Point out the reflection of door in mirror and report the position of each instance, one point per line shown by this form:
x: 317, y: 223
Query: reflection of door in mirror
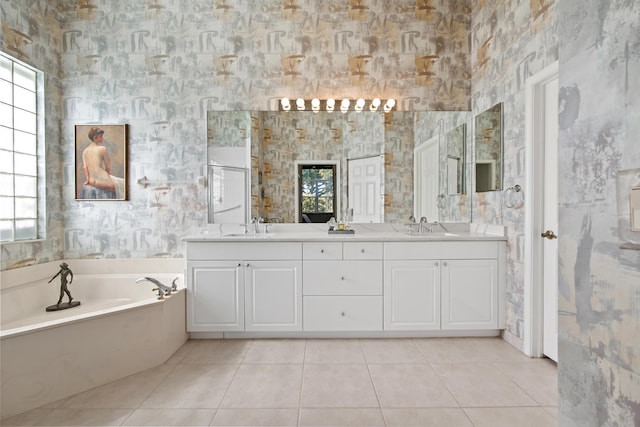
x: 488, y: 144
x: 227, y: 195
x: 317, y: 201
x: 455, y: 160
x: 366, y: 189
x: 426, y: 179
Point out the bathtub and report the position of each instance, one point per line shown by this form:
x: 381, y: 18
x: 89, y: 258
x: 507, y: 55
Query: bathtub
x: 120, y: 328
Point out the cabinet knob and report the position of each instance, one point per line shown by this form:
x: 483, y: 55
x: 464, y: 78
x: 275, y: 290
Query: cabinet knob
x: 444, y: 264
x: 321, y: 251
x: 435, y: 264
x: 239, y: 264
x: 246, y: 265
x: 342, y: 314
x: 363, y: 251
x: 341, y: 277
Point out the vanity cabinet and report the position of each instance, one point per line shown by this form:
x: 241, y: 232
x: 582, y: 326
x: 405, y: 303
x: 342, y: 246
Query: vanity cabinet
x: 342, y: 286
x: 441, y: 286
x: 238, y: 293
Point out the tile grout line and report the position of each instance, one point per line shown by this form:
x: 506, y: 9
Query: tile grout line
x: 373, y: 384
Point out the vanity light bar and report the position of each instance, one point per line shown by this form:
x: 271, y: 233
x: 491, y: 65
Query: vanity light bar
x: 345, y: 105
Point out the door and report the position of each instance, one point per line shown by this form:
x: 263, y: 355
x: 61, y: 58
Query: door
x: 366, y: 195
x: 273, y: 292
x: 412, y: 295
x: 426, y: 180
x: 541, y: 214
x: 550, y: 222
x: 215, y: 296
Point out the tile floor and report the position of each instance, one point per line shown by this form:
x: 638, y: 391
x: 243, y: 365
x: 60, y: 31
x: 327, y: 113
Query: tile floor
x: 348, y: 382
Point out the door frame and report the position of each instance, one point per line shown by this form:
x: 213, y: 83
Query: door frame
x: 533, y: 218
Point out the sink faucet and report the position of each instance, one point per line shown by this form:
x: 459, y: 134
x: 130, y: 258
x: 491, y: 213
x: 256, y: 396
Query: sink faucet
x: 424, y: 225
x: 163, y: 290
x: 256, y: 224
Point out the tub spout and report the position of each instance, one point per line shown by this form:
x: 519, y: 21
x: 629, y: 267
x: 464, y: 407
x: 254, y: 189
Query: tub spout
x: 162, y: 289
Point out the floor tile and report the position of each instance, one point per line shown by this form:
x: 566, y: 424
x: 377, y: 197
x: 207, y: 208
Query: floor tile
x: 334, y: 351
x: 410, y: 385
x: 481, y: 385
x: 170, y: 417
x: 509, y: 417
x: 538, y: 378
x: 183, y: 351
x: 276, y: 351
x: 128, y: 392
x: 265, y: 386
x: 353, y: 417
x: 391, y: 351
x: 217, y: 351
x: 448, y: 350
x: 337, y: 386
x: 192, y: 386
x: 495, y: 349
x: 420, y: 417
x: 29, y: 418
x: 256, y: 417
x: 69, y: 417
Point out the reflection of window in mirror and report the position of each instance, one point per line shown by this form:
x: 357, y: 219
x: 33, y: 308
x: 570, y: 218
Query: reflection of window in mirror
x: 317, y: 195
x: 488, y: 148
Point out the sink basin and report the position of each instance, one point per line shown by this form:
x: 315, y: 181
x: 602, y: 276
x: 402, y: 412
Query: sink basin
x: 247, y: 235
x: 433, y: 234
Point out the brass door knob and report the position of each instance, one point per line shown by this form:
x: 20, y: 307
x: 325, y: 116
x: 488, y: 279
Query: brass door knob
x: 549, y: 235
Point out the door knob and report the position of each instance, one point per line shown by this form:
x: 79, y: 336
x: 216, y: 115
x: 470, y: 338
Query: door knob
x: 549, y: 235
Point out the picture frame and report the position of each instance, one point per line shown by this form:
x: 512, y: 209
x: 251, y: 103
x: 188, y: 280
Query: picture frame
x: 101, y: 162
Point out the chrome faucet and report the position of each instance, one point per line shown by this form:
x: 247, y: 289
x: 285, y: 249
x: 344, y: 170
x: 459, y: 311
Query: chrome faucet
x: 424, y: 225
x: 256, y: 224
x: 163, y: 290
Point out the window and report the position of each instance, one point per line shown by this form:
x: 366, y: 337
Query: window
x: 18, y: 150
x: 317, y: 192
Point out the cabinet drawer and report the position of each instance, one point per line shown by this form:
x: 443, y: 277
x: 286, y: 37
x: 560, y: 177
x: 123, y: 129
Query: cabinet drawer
x: 235, y: 251
x: 362, y: 250
x: 342, y: 277
x: 322, y: 250
x: 440, y: 250
x: 344, y: 313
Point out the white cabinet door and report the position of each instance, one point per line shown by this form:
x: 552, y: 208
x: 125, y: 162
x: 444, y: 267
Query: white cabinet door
x: 469, y: 294
x: 215, y: 296
x: 273, y: 291
x: 412, y: 295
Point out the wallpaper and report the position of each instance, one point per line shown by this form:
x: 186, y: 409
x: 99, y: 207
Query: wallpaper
x: 160, y: 65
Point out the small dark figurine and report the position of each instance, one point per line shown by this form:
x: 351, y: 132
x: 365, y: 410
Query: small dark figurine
x: 64, y: 272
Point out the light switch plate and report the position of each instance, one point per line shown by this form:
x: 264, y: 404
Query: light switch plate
x: 634, y: 208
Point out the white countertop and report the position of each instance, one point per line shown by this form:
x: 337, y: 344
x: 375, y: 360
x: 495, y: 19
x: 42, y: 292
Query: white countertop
x: 363, y: 232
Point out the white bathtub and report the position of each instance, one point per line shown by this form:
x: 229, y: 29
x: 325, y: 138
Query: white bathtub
x: 120, y: 328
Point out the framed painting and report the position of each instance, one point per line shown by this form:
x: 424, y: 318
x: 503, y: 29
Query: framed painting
x: 101, y: 162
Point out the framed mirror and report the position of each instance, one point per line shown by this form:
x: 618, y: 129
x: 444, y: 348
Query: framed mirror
x: 366, y: 147
x: 456, y: 141
x: 488, y: 149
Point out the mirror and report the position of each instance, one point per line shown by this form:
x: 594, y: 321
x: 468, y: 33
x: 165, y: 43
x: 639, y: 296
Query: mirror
x: 488, y: 143
x: 456, y: 142
x: 268, y: 144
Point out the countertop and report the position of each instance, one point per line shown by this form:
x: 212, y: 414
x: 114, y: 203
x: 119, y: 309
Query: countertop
x: 364, y: 232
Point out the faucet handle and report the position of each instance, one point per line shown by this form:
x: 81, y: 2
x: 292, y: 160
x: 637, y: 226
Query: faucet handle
x: 266, y: 227
x: 244, y: 228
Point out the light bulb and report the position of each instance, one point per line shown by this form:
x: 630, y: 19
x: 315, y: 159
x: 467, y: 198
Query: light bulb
x: 300, y: 103
x: 344, y: 105
x: 315, y: 104
x: 375, y: 103
x: 359, y: 104
x: 389, y: 105
x: 331, y: 103
x: 286, y: 105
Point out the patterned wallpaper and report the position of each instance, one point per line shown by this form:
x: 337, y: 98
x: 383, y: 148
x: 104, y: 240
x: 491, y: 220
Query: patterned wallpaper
x: 160, y: 65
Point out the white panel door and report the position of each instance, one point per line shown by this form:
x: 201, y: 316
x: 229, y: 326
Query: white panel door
x: 469, y: 294
x: 366, y: 194
x: 215, y: 296
x: 273, y: 291
x: 426, y: 180
x: 412, y: 295
x: 550, y: 221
